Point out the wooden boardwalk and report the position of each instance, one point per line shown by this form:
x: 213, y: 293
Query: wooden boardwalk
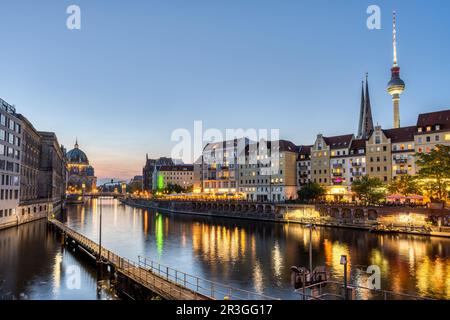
x: 166, y: 282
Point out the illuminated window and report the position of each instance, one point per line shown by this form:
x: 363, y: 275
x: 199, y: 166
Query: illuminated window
x: 429, y: 128
x: 447, y: 137
x: 419, y: 129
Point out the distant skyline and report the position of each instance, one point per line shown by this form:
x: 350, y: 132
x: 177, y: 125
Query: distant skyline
x: 137, y: 71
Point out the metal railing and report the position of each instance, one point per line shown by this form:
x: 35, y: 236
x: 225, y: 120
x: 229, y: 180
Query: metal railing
x: 208, y: 288
x: 334, y: 290
x: 163, y: 280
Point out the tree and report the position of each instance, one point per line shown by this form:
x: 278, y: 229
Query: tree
x: 406, y: 186
x: 310, y: 191
x: 369, y: 190
x: 435, y: 171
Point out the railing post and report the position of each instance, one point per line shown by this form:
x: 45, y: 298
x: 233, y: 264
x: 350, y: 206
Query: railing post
x: 167, y: 273
x: 185, y: 279
x: 212, y: 290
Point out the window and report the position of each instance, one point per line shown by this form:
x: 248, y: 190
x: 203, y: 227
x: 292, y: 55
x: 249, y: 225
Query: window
x: 436, y: 138
x: 419, y: 129
x: 428, y: 128
x: 438, y: 127
x: 428, y: 139
x: 3, y: 120
x: 447, y: 137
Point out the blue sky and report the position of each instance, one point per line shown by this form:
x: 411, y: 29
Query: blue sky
x: 137, y: 70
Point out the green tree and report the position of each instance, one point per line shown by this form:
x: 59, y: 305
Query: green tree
x: 406, y: 186
x: 435, y: 171
x: 310, y: 191
x: 369, y: 190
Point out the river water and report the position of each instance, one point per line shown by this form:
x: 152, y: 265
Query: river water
x: 250, y: 255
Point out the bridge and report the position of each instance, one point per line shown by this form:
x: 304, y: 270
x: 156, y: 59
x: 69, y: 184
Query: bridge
x: 145, y: 278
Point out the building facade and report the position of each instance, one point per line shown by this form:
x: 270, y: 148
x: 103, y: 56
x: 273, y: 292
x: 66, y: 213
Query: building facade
x: 149, y: 172
x: 181, y: 175
x: 220, y: 166
x: 53, y: 177
x: 10, y: 156
x: 303, y: 166
x: 269, y: 171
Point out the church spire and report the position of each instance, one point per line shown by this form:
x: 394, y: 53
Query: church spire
x: 76, y: 143
x: 368, y: 121
x: 361, y: 111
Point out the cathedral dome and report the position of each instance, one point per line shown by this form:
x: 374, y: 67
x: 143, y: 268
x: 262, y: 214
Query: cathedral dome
x: 76, y: 155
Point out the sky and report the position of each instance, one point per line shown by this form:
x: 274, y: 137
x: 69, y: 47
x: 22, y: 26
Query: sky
x: 138, y: 70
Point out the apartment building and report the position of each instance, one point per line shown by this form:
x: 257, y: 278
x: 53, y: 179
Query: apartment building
x: 357, y: 160
x: 432, y: 128
x: 402, y: 151
x: 269, y: 172
x: 220, y: 169
x: 303, y: 166
x: 181, y: 175
x: 10, y: 156
x: 378, y: 156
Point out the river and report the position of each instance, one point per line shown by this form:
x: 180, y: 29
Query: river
x: 250, y: 255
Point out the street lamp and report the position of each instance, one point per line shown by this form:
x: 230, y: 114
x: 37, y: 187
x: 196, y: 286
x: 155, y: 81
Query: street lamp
x: 344, y: 263
x: 311, y: 227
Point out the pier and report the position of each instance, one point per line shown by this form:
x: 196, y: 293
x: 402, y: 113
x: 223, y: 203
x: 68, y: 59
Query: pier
x: 147, y: 279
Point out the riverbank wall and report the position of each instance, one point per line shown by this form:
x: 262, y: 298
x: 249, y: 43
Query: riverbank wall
x: 368, y: 219
x: 31, y: 211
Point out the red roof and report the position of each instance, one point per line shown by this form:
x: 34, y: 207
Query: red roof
x: 430, y: 119
x: 339, y: 142
x: 400, y: 134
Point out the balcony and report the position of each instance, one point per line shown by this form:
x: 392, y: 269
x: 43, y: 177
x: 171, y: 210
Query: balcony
x: 337, y: 174
x: 402, y: 171
x: 303, y: 168
x: 356, y: 164
x: 400, y: 160
x: 337, y: 165
x: 357, y: 174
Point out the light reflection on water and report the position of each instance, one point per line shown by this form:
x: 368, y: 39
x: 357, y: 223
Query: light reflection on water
x: 257, y: 256
x: 34, y: 265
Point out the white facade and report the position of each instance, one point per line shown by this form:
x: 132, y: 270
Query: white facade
x: 10, y: 153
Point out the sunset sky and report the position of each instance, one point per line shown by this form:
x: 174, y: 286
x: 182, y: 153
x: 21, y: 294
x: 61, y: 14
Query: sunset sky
x: 138, y: 70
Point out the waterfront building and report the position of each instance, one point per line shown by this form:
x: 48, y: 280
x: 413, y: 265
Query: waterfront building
x: 431, y: 129
x: 32, y: 205
x: 378, y: 154
x: 357, y: 160
x: 181, y: 175
x: 53, y: 176
x: 81, y: 173
x: 150, y: 170
x: 10, y: 156
x: 303, y: 166
x: 269, y: 172
x: 329, y: 165
x: 220, y: 170
x: 402, y: 151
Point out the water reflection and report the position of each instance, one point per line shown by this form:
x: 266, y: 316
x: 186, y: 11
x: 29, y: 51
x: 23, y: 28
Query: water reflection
x: 257, y: 256
x: 34, y: 265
